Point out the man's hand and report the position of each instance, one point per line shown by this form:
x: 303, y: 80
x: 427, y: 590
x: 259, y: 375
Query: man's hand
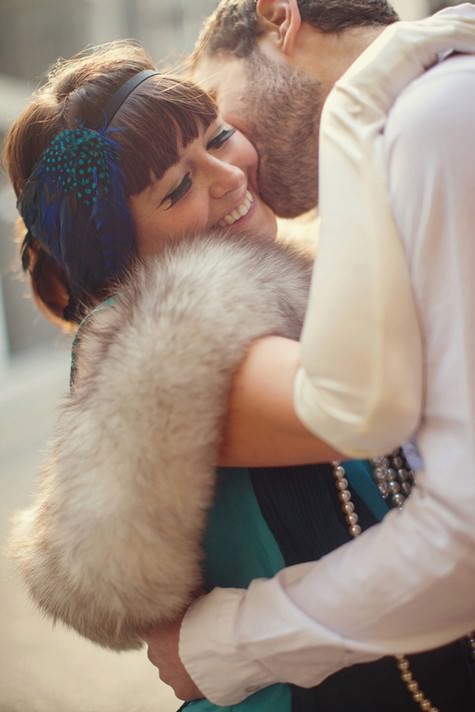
x: 162, y: 644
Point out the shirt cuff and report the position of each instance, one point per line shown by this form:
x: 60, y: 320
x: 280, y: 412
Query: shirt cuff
x: 211, y: 655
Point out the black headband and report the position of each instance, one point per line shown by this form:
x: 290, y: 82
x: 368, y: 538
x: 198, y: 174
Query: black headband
x: 117, y: 99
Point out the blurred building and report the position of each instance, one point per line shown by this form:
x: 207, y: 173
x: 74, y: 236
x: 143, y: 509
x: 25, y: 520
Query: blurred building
x: 414, y: 9
x: 33, y: 33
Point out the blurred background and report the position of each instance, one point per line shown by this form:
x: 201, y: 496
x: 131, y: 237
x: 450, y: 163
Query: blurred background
x: 44, y: 669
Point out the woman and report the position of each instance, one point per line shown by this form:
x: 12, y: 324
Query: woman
x: 116, y: 168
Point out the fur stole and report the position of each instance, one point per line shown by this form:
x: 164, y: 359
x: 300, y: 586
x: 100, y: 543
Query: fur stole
x: 113, y: 542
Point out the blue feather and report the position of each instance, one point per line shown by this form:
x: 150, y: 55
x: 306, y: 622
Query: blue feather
x: 74, y: 203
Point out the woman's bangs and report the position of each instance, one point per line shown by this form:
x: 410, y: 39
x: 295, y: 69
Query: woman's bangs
x: 155, y: 123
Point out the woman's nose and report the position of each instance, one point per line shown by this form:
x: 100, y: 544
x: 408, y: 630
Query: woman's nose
x: 226, y: 178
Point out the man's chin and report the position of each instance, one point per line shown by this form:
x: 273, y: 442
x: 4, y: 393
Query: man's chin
x: 289, y: 207
x: 292, y: 197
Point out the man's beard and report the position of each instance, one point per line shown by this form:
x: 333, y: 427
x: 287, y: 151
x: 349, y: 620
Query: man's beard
x: 283, y: 122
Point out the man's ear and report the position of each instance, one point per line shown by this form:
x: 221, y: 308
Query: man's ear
x: 283, y: 18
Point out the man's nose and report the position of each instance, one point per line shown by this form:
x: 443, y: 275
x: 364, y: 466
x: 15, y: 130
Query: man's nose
x: 226, y: 178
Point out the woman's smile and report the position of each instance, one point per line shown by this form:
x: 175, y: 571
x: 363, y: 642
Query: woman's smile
x: 238, y: 213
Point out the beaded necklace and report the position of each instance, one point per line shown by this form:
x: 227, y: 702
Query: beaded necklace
x: 394, y: 479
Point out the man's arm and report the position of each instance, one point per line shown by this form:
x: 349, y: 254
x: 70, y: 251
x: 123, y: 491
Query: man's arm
x: 409, y: 583
x: 360, y: 387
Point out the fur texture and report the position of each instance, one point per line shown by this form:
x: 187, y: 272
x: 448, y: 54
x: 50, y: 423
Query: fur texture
x: 112, y: 544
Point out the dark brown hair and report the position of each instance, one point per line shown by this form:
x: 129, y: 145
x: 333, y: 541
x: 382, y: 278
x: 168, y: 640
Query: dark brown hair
x: 160, y: 115
x: 234, y: 28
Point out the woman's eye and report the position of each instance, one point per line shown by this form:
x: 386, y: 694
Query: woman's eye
x: 221, y: 138
x: 178, y: 193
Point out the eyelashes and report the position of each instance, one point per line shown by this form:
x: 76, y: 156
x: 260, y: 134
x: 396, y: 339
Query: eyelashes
x: 186, y: 183
x: 178, y: 193
x: 220, y: 139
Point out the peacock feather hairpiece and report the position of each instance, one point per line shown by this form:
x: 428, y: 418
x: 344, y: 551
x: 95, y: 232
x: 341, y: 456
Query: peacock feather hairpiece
x: 74, y: 204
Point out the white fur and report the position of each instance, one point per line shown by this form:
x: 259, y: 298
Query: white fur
x: 112, y: 544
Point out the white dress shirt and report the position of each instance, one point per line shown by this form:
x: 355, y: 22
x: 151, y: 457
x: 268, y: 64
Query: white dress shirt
x: 407, y: 584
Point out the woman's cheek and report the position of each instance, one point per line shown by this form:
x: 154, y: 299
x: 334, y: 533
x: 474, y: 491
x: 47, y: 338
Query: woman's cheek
x: 197, y: 215
x: 246, y: 154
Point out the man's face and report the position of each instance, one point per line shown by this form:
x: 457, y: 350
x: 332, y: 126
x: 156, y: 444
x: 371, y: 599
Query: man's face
x: 279, y: 109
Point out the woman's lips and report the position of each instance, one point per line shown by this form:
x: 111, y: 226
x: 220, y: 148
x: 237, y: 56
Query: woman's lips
x: 238, y: 213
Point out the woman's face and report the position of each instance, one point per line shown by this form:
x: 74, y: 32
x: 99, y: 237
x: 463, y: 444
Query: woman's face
x: 213, y: 185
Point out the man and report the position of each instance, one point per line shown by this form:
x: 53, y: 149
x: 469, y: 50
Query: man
x: 408, y: 584
x: 271, y: 73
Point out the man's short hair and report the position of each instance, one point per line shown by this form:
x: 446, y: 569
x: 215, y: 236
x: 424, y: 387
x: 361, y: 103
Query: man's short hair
x: 233, y: 26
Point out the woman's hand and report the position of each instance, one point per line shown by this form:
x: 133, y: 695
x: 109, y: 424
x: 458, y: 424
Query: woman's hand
x: 163, y: 644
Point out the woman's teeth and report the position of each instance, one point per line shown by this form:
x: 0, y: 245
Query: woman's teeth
x: 238, y: 213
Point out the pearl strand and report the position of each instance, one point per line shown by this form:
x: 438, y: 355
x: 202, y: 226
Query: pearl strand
x: 387, y: 475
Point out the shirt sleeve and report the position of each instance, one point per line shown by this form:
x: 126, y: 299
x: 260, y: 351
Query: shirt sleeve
x: 359, y: 386
x: 361, y: 379
x: 408, y: 584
